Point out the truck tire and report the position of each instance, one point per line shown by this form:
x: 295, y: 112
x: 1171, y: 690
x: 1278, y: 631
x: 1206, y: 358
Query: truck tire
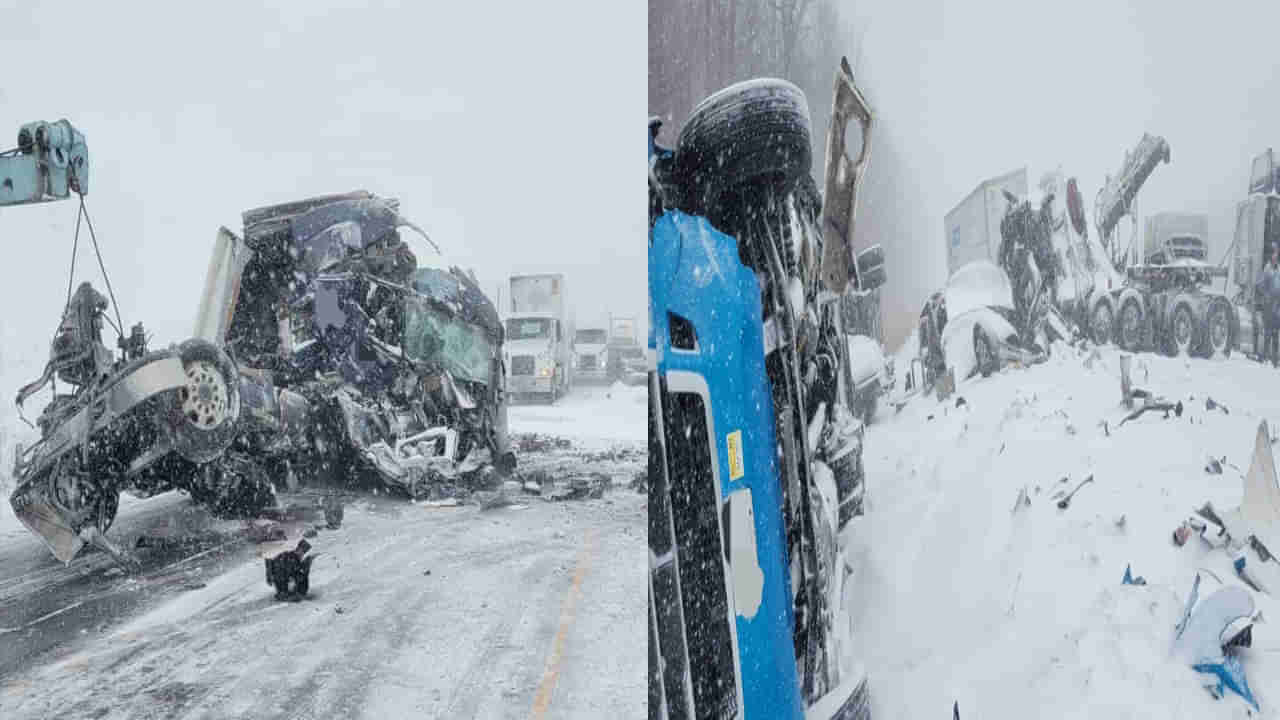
x: 205, y: 410
x: 1102, y: 323
x: 1182, y: 330
x: 1217, y: 330
x: 1131, y: 327
x: 752, y: 132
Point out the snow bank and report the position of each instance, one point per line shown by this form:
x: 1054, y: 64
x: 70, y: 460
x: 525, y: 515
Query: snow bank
x: 1022, y: 614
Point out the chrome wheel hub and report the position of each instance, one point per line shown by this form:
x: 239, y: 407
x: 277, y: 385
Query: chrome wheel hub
x: 204, y: 397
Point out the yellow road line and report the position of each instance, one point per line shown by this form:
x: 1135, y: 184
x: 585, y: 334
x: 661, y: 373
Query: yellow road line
x: 549, y: 676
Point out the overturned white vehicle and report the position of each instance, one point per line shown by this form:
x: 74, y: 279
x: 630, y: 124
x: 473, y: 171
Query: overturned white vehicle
x: 973, y: 327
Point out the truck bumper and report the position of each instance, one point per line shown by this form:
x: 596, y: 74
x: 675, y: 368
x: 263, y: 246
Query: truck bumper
x: 598, y: 375
x: 524, y: 384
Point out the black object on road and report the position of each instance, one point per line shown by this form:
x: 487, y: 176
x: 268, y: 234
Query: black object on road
x: 290, y: 572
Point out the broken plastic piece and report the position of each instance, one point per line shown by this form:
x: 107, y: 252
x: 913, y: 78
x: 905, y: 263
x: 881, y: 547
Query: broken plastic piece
x: 1181, y: 535
x: 1129, y: 579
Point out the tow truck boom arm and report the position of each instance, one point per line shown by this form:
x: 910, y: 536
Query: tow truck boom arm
x: 1114, y: 199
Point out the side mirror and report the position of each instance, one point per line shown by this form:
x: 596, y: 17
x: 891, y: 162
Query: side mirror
x: 871, y: 272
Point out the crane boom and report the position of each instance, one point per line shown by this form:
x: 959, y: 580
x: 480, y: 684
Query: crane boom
x: 51, y: 162
x: 1116, y: 197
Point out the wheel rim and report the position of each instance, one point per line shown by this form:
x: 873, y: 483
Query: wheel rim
x: 1182, y: 330
x: 1102, y: 325
x: 1218, y: 329
x: 204, y: 397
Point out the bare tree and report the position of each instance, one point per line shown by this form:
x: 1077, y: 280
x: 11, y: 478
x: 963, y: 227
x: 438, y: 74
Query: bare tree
x: 791, y: 28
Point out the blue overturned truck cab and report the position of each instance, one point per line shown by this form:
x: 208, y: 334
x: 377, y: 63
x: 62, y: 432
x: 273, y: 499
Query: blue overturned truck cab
x: 754, y: 452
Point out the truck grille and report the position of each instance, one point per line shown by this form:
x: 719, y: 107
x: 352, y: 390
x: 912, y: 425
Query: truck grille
x: 588, y: 362
x: 522, y: 365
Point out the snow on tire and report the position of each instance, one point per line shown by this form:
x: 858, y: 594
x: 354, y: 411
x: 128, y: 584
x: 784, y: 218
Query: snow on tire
x: 1217, y: 330
x: 753, y: 131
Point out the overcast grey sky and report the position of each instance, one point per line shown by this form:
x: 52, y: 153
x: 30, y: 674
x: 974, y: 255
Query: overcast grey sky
x: 973, y: 89
x: 510, y: 132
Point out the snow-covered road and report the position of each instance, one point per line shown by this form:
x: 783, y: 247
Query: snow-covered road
x: 957, y: 598
x: 415, y: 610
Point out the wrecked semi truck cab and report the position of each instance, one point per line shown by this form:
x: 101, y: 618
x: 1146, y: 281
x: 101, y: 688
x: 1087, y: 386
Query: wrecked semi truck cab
x: 755, y: 456
x: 1257, y: 232
x: 539, y: 332
x: 353, y: 358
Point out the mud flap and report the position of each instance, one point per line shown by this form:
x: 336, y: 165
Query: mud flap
x: 34, y: 508
x: 841, y: 198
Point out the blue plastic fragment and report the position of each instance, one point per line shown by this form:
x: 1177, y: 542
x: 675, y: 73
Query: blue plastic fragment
x: 1129, y: 579
x: 1230, y: 673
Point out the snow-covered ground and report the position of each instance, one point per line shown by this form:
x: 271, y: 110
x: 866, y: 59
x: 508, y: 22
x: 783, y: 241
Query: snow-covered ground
x: 535, y: 609
x: 1023, y: 614
x: 595, y: 415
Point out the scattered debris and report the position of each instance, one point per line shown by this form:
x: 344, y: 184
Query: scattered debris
x: 1022, y: 500
x: 492, y: 501
x: 1240, y: 564
x: 1065, y: 502
x: 289, y: 572
x: 1214, y: 466
x: 533, y: 442
x: 640, y: 482
x: 1013, y: 597
x: 1182, y: 534
x: 1120, y: 523
x: 1129, y: 579
x: 1210, y: 631
x: 264, y: 531
x: 961, y: 402
x: 1149, y: 404
x: 1125, y: 384
x: 1209, y: 404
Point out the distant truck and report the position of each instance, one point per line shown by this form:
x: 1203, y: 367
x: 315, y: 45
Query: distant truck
x: 973, y: 226
x: 591, y: 355
x: 539, y: 335
x: 624, y: 347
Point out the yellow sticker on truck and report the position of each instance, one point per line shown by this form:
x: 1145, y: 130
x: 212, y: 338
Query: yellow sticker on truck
x: 734, y: 439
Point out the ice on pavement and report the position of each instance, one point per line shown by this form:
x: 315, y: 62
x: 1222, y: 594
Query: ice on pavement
x: 955, y: 598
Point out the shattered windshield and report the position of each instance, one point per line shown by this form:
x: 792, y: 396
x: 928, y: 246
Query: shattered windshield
x: 590, y: 337
x: 434, y: 337
x: 528, y: 328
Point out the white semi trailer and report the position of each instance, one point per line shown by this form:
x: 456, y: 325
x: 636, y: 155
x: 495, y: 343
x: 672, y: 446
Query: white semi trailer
x: 539, y: 337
